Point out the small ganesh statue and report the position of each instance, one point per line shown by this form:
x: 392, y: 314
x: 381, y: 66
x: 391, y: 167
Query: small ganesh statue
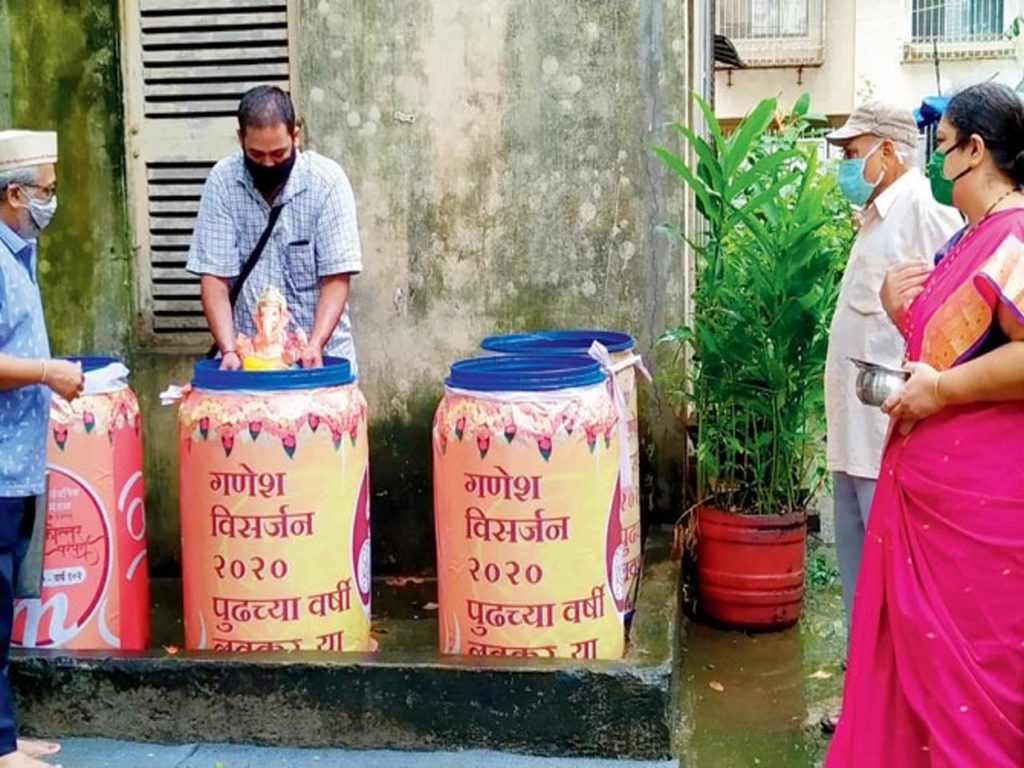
x: 274, y: 347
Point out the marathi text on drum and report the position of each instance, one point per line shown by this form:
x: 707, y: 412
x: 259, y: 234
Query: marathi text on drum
x: 539, y: 651
x: 512, y: 531
x: 67, y: 541
x: 630, y: 569
x: 584, y: 609
x: 631, y: 534
x: 338, y: 600
x: 332, y: 641
x: 279, y: 526
x: 503, y: 485
x: 540, y: 615
x: 586, y: 649
x: 255, y: 646
x: 248, y: 483
x: 232, y: 611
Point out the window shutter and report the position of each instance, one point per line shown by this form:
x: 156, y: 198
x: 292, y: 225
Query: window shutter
x: 187, y: 64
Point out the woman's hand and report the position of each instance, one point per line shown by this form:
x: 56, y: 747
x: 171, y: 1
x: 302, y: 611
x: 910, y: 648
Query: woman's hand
x: 903, y: 283
x: 920, y: 396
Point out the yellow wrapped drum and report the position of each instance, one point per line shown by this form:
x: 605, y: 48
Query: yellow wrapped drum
x: 275, y: 514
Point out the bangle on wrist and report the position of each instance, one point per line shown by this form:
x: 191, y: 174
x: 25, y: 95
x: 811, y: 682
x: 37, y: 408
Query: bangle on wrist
x: 227, y: 352
x: 938, y: 395
x: 42, y: 379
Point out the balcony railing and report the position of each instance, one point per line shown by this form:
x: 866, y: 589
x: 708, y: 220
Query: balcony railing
x: 959, y: 29
x: 774, y: 33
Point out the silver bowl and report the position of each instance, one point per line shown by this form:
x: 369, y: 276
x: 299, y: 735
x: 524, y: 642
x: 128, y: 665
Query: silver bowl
x: 876, y: 383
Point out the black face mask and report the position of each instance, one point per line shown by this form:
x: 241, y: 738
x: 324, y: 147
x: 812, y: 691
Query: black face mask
x: 267, y: 178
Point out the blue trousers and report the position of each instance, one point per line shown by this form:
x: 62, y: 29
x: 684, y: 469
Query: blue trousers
x: 15, y: 532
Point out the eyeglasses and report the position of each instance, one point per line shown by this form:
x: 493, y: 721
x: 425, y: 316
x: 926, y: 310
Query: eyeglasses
x: 48, y: 192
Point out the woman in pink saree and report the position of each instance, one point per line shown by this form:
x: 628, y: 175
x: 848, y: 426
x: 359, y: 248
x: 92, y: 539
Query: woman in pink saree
x: 936, y: 663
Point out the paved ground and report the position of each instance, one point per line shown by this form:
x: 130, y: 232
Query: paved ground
x: 98, y: 753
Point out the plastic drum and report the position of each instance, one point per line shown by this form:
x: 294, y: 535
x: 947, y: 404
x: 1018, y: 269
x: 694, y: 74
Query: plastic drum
x: 620, y: 347
x: 526, y: 474
x: 95, y: 592
x: 275, y: 513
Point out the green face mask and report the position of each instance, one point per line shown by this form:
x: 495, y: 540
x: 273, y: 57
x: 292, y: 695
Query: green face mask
x: 942, y: 188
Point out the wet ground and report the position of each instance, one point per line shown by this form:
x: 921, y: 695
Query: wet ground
x: 756, y: 699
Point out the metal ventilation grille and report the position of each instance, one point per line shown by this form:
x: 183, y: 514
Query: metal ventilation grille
x: 174, y: 190
x: 200, y: 56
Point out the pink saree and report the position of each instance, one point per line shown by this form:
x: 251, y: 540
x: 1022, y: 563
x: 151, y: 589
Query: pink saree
x: 936, y: 667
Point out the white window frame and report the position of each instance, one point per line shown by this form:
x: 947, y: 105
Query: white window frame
x: 963, y: 49
x: 770, y: 51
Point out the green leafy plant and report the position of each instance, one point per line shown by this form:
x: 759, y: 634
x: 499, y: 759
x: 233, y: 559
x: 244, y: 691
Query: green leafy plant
x: 822, y: 573
x: 776, y: 234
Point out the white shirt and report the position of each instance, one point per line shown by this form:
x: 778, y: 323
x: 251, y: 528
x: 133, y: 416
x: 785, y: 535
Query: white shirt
x: 902, y: 224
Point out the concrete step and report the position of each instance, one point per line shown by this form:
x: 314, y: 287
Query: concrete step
x: 405, y: 696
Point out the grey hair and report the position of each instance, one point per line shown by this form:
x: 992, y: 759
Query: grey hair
x: 18, y: 176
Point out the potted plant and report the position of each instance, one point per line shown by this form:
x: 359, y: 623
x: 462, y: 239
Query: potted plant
x: 776, y: 232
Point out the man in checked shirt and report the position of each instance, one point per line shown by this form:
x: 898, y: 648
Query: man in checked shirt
x: 313, y: 250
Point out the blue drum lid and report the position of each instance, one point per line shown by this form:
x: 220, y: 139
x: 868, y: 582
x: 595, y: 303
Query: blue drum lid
x: 336, y: 372
x: 555, y: 342
x: 524, y: 373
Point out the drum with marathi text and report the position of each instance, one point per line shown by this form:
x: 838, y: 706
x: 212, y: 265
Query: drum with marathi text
x: 95, y: 593
x: 624, y: 363
x: 275, y: 512
x: 526, y: 509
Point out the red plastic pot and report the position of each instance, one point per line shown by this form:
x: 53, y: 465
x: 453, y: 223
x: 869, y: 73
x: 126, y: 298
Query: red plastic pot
x: 750, y: 568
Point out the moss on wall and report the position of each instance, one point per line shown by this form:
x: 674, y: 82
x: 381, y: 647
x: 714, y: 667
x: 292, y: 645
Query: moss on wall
x: 61, y: 73
x: 497, y: 149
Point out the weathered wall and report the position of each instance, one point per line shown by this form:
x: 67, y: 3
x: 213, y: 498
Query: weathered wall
x: 498, y: 153
x: 59, y: 71
x: 497, y: 149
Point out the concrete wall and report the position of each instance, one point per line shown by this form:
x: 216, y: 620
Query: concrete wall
x: 864, y: 58
x: 498, y: 153
x: 59, y: 71
x: 497, y: 150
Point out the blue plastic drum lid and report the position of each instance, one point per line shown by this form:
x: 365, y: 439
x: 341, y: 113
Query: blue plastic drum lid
x: 554, y: 342
x: 335, y: 372
x: 91, y: 362
x: 524, y: 373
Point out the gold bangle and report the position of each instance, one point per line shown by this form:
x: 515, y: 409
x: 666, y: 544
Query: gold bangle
x: 42, y: 379
x: 938, y: 395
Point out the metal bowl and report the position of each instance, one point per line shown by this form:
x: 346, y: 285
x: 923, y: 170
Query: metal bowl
x: 876, y: 383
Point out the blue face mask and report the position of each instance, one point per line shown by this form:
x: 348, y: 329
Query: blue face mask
x: 851, y: 178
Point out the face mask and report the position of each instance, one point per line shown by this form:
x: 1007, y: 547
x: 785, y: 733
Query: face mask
x: 942, y: 188
x: 267, y: 178
x: 37, y: 217
x: 851, y: 178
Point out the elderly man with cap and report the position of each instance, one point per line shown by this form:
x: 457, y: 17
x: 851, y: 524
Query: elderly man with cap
x: 901, y: 224
x: 28, y: 200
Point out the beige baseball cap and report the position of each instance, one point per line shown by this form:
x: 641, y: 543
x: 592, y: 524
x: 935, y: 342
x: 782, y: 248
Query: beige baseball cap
x: 876, y: 118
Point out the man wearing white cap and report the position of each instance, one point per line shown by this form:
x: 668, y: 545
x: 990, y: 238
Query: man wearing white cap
x: 900, y: 224
x: 28, y: 200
